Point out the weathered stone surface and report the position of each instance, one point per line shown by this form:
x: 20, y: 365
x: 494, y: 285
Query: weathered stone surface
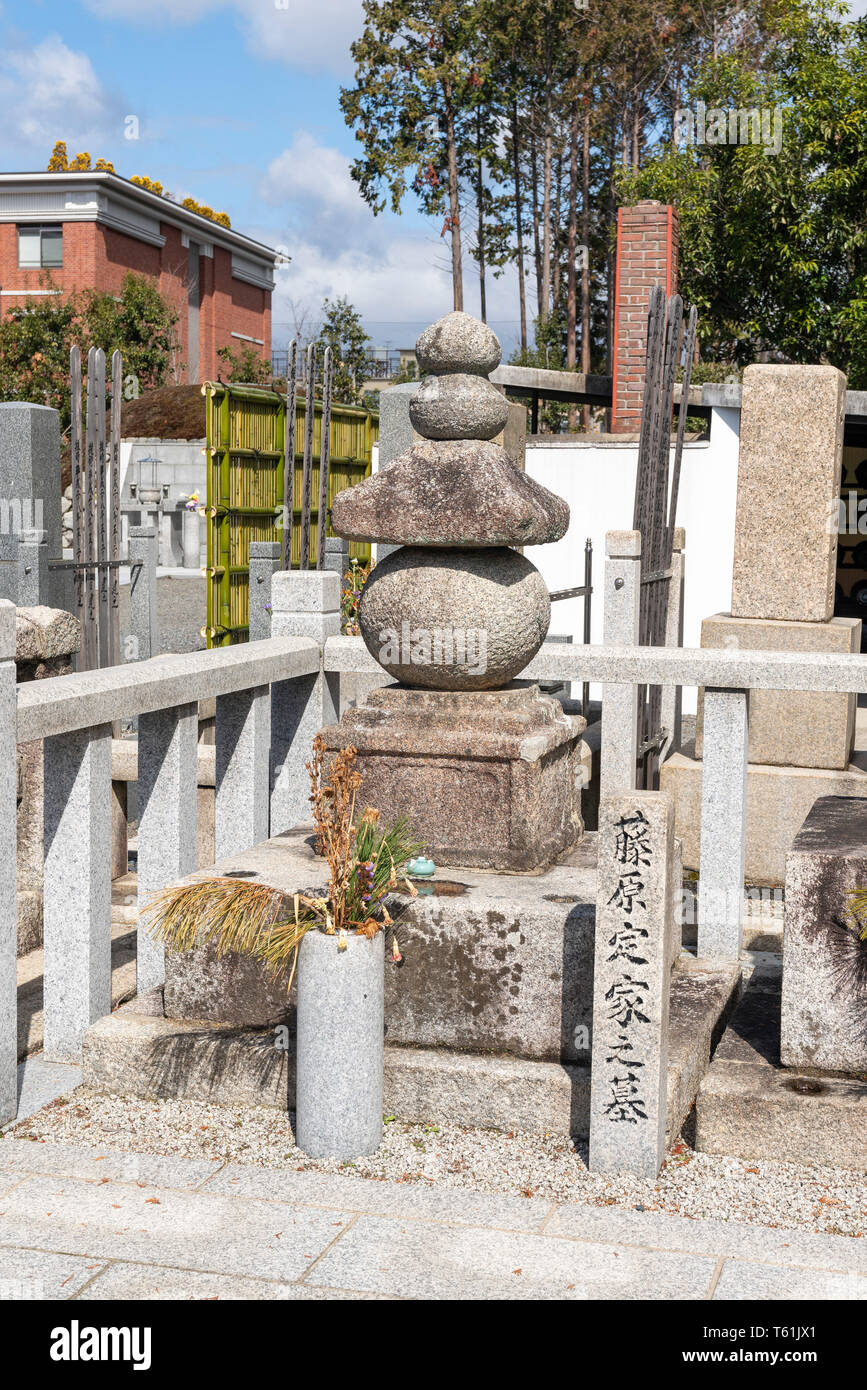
x: 751, y: 1107
x: 137, y: 1052
x: 458, y: 406
x: 454, y: 620
x: 789, y: 468
x: 778, y: 800
x: 458, y: 343
x: 824, y: 1012
x: 787, y: 727
x: 487, y: 779
x: 231, y: 988
x: 461, y: 493
x: 44, y: 634
x: 631, y: 983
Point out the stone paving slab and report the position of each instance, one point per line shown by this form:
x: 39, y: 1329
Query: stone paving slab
x: 159, y: 1284
x: 406, y: 1200
x: 664, y: 1230
x: 112, y: 1225
x: 28, y: 1275
x: 114, y: 1221
x: 765, y: 1282
x: 384, y: 1255
x: 95, y: 1165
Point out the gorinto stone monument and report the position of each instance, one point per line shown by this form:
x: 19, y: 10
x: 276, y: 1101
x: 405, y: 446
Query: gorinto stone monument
x: 485, y: 766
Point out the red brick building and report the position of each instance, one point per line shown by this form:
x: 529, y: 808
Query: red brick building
x: 86, y: 231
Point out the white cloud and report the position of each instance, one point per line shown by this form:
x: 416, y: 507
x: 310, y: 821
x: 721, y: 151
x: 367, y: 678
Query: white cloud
x: 51, y: 92
x: 323, y: 203
x: 311, y: 34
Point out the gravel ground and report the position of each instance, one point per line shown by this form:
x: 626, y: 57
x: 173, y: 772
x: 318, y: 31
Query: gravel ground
x: 829, y: 1200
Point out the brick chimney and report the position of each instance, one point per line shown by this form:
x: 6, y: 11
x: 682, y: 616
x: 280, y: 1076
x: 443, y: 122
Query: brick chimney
x: 647, y: 245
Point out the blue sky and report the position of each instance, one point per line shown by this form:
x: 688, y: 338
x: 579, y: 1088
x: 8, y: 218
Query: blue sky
x: 237, y: 105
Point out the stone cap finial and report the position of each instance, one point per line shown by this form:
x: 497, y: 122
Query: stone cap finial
x: 458, y: 343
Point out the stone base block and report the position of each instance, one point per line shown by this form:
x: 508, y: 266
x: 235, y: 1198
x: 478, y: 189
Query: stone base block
x: 137, y: 1051
x: 490, y: 963
x: 789, y: 728
x: 752, y: 1107
x: 778, y: 801
x: 489, y: 779
x: 824, y: 1009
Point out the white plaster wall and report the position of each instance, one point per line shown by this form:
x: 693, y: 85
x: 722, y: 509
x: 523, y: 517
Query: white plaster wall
x: 597, y: 479
x: 182, y: 465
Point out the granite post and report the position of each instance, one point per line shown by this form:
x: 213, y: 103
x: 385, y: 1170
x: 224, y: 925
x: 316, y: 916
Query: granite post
x: 77, y: 887
x: 34, y: 576
x: 264, y: 564
x: 46, y: 641
x: 305, y: 603
x: 242, y: 770
x: 336, y: 555
x: 143, y: 591
x: 8, y: 838
x: 619, y: 751
x: 723, y: 824
x: 631, y: 984
x: 168, y: 818
x: 671, y: 708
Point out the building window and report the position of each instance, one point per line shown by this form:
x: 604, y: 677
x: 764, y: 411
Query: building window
x: 41, y: 247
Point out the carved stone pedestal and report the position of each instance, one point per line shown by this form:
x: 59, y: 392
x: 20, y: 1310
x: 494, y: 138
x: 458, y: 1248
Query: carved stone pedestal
x: 488, y: 779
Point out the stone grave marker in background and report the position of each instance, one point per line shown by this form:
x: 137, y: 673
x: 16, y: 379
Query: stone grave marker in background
x: 800, y: 744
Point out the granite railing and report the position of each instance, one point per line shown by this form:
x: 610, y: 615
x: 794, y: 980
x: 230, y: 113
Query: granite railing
x: 727, y: 677
x: 271, y: 698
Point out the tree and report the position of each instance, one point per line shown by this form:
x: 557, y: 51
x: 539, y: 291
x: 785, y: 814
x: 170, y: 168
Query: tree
x: 343, y: 333
x: 139, y: 322
x: 35, y: 340
x: 59, y: 161
x: 773, y: 246
x: 34, y: 353
x: 245, y: 365
x: 417, y: 74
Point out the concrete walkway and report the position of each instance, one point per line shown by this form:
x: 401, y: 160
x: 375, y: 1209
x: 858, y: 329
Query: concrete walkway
x: 92, y: 1224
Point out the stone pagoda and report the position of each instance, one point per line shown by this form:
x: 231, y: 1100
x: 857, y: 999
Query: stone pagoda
x: 483, y: 765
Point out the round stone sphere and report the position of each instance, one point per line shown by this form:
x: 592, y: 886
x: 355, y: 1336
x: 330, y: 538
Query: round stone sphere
x: 454, y: 619
x: 458, y: 343
x: 458, y: 406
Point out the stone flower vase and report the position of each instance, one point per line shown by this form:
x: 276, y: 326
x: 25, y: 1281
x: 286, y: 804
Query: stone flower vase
x: 341, y: 1005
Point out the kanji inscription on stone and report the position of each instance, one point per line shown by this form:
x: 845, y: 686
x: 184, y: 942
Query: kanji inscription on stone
x: 629, y: 1045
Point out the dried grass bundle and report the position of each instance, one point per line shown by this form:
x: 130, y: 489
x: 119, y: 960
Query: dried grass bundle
x: 364, y: 861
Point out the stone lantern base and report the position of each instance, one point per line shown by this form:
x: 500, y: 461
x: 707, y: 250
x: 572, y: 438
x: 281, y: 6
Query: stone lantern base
x: 488, y: 779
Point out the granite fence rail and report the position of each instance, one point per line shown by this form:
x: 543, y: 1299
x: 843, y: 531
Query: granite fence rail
x: 272, y: 696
